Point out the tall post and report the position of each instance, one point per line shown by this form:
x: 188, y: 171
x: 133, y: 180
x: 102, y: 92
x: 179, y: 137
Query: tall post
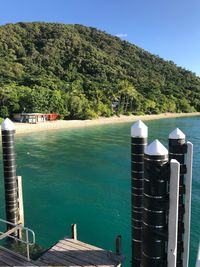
x: 177, y: 150
x: 173, y: 213
x: 139, y: 134
x: 9, y: 164
x: 155, y: 198
x: 188, y: 196
x: 20, y: 205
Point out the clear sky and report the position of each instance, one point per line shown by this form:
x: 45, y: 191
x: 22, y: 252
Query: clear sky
x: 168, y: 28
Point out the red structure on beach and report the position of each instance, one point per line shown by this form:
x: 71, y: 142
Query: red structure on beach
x: 35, y: 117
x: 52, y: 117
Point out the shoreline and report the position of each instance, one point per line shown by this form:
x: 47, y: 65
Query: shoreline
x: 23, y: 128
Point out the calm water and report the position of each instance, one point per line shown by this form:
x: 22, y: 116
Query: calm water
x: 83, y: 176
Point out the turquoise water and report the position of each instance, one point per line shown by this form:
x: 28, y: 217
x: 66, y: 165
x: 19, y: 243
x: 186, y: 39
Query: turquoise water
x: 83, y: 176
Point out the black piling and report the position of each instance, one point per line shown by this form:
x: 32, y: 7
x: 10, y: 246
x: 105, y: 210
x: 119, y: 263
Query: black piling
x: 177, y: 150
x: 155, y: 199
x: 139, y: 134
x: 9, y: 165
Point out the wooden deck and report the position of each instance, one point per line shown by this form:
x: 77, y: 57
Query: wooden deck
x: 67, y: 252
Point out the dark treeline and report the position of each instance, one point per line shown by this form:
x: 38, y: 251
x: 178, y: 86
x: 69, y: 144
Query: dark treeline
x: 80, y: 72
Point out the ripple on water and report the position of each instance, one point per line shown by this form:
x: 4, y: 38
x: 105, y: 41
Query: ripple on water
x: 83, y: 176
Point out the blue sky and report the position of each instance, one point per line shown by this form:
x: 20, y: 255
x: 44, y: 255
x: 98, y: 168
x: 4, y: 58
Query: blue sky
x: 168, y: 28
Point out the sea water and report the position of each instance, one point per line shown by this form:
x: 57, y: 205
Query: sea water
x: 82, y: 176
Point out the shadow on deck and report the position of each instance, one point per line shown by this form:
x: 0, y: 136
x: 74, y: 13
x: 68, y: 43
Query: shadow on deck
x: 67, y: 252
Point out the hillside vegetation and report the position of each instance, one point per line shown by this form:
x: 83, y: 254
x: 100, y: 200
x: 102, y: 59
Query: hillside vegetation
x: 79, y: 72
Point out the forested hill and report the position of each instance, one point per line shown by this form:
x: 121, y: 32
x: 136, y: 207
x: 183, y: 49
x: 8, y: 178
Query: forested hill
x: 81, y: 72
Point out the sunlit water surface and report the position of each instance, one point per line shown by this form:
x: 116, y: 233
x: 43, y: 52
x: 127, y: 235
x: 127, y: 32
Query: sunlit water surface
x: 83, y: 176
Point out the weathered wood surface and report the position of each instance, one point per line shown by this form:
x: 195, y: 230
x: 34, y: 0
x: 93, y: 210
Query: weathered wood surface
x: 8, y: 259
x: 9, y: 232
x: 67, y: 252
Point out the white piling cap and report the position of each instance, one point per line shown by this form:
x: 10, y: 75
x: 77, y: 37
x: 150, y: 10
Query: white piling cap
x: 139, y: 129
x: 7, y: 125
x: 156, y: 149
x: 177, y: 134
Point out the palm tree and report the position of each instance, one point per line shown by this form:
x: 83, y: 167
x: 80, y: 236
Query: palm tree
x: 126, y: 94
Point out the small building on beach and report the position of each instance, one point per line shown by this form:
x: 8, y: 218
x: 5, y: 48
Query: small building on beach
x: 35, y: 117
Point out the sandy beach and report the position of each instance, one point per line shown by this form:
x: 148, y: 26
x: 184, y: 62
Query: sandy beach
x: 23, y: 128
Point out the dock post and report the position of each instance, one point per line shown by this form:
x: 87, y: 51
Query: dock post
x: 139, y: 134
x: 9, y: 164
x: 177, y: 151
x: 20, y: 205
x: 118, y: 245
x: 155, y: 193
x: 74, y: 231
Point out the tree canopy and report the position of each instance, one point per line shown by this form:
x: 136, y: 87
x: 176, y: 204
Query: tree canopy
x: 79, y: 72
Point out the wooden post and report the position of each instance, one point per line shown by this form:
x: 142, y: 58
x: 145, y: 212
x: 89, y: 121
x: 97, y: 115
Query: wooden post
x: 20, y: 200
x: 74, y: 231
x: 20, y: 204
x: 118, y: 244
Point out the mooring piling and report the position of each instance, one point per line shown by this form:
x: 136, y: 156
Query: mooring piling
x: 156, y: 172
x: 9, y: 166
x: 177, y: 150
x: 139, y: 134
x: 74, y: 231
x: 161, y: 217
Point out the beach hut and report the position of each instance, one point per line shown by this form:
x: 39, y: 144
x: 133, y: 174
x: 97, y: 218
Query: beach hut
x: 34, y: 117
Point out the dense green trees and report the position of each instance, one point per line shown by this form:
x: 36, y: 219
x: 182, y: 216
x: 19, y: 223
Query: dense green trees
x: 79, y: 72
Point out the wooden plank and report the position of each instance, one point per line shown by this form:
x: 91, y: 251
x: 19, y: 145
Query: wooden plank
x: 55, y: 259
x: 68, y: 252
x: 94, y: 257
x: 11, y: 259
x: 83, y: 246
x: 74, y: 257
x: 113, y: 256
x: 21, y: 204
x: 45, y: 263
x: 10, y: 262
x: 80, y: 256
x: 2, y: 263
x: 20, y: 200
x: 81, y: 243
x: 15, y: 262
